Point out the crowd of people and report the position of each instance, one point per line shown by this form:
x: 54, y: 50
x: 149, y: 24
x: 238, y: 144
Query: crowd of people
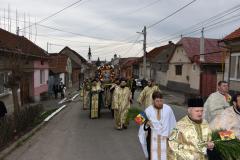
x: 191, y: 137
x: 161, y: 136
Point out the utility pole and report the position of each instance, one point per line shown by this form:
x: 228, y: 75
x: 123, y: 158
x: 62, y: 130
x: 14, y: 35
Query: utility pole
x: 144, y: 32
x: 144, y: 52
x: 202, y: 58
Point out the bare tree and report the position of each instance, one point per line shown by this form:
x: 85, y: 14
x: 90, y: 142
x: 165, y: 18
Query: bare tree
x: 14, y: 63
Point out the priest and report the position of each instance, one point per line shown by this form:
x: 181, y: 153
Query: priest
x: 192, y: 136
x: 95, y: 102
x: 145, y: 97
x: 153, y: 135
x: 217, y: 102
x: 122, y: 103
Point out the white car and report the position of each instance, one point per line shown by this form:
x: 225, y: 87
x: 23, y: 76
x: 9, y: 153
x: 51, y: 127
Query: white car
x: 138, y: 83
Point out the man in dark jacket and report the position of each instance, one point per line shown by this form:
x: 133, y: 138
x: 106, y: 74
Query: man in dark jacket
x: 3, y: 109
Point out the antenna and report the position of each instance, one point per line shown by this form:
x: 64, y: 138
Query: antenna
x: 24, y: 25
x: 8, y: 18
x: 35, y: 30
x: 29, y: 35
x: 4, y: 24
x: 17, y: 31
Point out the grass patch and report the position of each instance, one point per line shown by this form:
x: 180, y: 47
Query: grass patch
x: 132, y: 113
x: 28, y: 119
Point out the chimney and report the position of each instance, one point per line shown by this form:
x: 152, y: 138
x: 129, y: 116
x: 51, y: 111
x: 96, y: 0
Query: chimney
x: 202, y: 47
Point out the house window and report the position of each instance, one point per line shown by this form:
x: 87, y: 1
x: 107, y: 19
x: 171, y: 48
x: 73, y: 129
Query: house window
x: 235, y: 67
x: 3, y: 80
x: 178, y: 70
x: 42, y: 77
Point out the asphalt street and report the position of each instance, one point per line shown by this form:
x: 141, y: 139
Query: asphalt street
x: 71, y: 135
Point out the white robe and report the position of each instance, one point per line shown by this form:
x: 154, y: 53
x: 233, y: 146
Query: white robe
x: 214, y: 105
x: 161, y: 129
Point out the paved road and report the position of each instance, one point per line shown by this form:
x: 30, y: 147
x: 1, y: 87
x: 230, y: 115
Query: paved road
x: 71, y: 135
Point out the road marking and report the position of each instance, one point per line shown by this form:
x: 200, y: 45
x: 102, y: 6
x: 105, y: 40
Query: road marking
x: 54, y: 113
x: 75, y: 96
x: 62, y: 101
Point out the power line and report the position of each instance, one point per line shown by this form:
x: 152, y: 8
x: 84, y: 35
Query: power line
x: 206, y: 24
x: 128, y: 13
x: 156, y: 23
x: 54, y: 14
x: 200, y: 25
x: 49, y: 36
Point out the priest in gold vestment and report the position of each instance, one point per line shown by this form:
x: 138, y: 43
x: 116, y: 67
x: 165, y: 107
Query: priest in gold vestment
x: 95, y: 102
x: 122, y: 99
x: 86, y: 89
x: 192, y: 136
x: 145, y: 97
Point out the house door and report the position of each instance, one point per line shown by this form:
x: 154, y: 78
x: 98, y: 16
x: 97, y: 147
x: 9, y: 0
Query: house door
x: 24, y: 89
x: 208, y: 83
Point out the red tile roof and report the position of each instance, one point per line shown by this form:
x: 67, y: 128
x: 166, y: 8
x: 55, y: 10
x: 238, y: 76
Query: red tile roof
x: 233, y: 35
x: 58, y: 62
x: 74, y: 52
x: 192, y: 48
x: 156, y: 51
x: 13, y: 42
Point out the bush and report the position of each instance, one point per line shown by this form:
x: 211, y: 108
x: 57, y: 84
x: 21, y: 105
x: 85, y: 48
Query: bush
x: 132, y: 113
x: 25, y: 119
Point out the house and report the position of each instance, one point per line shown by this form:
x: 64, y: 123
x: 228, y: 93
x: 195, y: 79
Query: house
x: 78, y: 63
x: 68, y: 66
x: 34, y: 63
x: 129, y: 68
x: 192, y: 73
x: 57, y: 67
x: 232, y: 61
x: 158, y: 59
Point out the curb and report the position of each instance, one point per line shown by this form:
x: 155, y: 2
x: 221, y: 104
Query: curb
x: 28, y: 135
x: 17, y: 143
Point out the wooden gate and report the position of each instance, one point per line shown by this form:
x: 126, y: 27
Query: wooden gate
x: 24, y: 89
x: 208, y: 83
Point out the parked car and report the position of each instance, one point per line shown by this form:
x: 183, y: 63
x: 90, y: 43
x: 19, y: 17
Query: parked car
x: 138, y: 83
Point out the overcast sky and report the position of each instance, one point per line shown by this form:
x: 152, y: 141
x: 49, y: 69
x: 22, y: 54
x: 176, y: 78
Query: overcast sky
x: 109, y: 25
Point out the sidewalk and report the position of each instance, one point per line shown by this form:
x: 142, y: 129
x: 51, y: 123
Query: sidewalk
x: 174, y: 98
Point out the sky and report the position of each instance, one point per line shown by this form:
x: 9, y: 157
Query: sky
x: 110, y: 26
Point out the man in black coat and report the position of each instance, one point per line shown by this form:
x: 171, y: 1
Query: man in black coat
x: 3, y: 109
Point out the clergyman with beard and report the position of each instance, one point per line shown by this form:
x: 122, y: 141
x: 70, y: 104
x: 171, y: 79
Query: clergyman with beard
x: 145, y: 97
x: 122, y: 99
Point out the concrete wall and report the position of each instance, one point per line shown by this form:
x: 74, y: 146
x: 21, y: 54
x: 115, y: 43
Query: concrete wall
x: 161, y: 78
x: 190, y: 72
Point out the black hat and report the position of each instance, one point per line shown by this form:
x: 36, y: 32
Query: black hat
x: 94, y: 80
x: 122, y: 79
x: 195, y: 102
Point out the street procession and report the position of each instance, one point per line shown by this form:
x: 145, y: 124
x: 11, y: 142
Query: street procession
x: 210, y: 130
x: 120, y: 80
